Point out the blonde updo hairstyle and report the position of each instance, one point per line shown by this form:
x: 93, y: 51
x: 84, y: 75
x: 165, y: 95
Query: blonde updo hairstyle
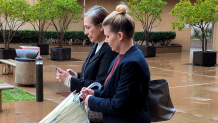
x: 120, y: 21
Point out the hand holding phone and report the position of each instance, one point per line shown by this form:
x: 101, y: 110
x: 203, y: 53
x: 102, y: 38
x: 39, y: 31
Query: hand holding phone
x: 57, y: 69
x: 61, y: 75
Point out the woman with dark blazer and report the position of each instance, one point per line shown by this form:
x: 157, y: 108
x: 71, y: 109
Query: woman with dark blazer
x: 124, y: 98
x: 98, y: 61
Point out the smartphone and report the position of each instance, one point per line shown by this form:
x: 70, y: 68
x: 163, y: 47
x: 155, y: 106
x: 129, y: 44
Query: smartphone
x: 56, y: 69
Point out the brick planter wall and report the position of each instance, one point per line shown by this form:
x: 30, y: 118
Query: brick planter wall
x: 168, y: 49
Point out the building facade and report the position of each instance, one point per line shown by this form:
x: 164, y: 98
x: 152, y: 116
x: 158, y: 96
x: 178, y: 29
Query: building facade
x: 182, y: 37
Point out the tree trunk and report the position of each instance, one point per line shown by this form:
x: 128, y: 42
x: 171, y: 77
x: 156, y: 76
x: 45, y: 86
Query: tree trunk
x: 7, y: 45
x: 60, y: 43
x: 62, y: 38
x: 147, y: 35
x: 41, y: 28
x: 40, y: 37
x: 205, y: 44
x: 58, y: 40
x: 202, y: 43
x: 4, y: 38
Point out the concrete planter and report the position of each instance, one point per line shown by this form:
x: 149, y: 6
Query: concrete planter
x: 44, y: 49
x: 168, y: 49
x: 201, y: 58
x: 148, y: 51
x: 7, y: 53
x: 60, y: 54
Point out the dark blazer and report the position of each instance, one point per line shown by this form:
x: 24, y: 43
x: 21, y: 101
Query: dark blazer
x: 94, y: 68
x: 124, y: 98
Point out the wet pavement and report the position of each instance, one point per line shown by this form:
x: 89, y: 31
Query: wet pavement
x: 193, y: 89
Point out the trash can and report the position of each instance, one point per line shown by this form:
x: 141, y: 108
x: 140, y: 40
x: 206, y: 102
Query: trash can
x: 25, y: 73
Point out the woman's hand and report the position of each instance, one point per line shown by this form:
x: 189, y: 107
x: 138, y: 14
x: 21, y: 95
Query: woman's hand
x: 61, y: 75
x: 87, y: 100
x: 72, y: 73
x: 86, y: 92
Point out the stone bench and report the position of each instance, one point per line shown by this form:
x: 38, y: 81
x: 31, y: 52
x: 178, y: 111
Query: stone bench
x: 4, y: 87
x: 8, y: 66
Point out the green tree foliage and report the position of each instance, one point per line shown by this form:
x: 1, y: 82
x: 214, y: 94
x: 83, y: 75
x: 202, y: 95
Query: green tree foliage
x: 63, y: 13
x: 199, y: 15
x: 147, y: 12
x: 40, y: 16
x: 13, y: 15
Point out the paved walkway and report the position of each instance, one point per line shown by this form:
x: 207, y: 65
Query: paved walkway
x: 193, y: 89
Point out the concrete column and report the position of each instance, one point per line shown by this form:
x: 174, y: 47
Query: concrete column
x: 215, y: 37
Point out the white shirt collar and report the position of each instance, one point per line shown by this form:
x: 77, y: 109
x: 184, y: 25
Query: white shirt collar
x: 99, y: 46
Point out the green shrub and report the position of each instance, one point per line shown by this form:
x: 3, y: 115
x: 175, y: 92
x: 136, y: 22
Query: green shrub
x: 162, y: 38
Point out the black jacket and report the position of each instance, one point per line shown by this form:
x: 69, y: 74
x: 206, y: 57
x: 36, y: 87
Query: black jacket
x: 94, y: 68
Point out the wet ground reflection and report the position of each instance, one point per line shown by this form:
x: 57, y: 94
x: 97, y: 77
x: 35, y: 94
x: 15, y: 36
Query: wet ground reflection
x: 193, y: 89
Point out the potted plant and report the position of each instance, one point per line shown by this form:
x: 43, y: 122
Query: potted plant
x: 64, y: 12
x: 40, y: 19
x: 13, y: 16
x: 147, y: 12
x: 200, y: 15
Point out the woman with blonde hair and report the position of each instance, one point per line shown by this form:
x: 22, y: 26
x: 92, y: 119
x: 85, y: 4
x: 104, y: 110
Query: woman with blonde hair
x: 124, y: 98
